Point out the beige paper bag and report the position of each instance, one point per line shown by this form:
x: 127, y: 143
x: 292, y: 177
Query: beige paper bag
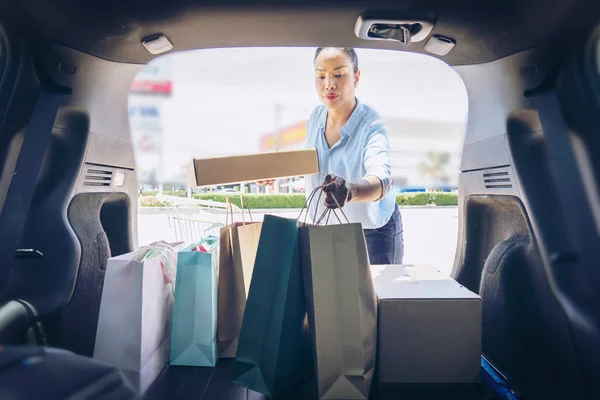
x: 238, y: 245
x: 245, y: 244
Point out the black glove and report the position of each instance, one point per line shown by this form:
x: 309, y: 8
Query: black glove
x: 335, y: 187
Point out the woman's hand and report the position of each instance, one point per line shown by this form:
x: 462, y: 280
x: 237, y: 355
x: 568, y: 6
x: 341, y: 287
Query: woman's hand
x: 367, y: 189
x: 336, y: 188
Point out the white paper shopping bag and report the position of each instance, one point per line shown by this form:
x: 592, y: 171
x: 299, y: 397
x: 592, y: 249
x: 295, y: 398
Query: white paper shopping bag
x: 136, y: 310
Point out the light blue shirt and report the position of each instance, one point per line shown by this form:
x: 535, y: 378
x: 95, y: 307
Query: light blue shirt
x: 362, y: 150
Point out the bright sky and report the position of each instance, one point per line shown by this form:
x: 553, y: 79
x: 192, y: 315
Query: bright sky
x: 225, y: 99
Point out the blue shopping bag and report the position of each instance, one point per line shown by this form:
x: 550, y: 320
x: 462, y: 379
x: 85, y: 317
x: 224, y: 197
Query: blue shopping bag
x: 274, y: 351
x: 194, y: 333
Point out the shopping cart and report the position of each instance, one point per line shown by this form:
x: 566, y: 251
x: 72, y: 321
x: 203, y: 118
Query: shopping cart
x: 185, y: 219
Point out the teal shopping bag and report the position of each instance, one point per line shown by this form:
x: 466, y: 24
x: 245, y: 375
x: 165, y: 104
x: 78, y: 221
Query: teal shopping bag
x: 194, y: 334
x: 274, y: 352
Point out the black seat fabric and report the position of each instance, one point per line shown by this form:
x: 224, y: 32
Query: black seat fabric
x: 30, y: 372
x: 547, y: 345
x: 523, y: 331
x: 508, y: 311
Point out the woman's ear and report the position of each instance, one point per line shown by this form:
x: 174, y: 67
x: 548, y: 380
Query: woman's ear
x: 356, y: 78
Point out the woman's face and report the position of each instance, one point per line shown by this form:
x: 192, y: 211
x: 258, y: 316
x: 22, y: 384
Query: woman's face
x: 335, y: 79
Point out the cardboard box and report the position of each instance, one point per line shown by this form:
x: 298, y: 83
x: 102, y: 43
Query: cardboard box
x: 429, y: 327
x: 251, y: 167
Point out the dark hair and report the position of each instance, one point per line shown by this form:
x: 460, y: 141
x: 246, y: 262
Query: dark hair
x: 350, y: 52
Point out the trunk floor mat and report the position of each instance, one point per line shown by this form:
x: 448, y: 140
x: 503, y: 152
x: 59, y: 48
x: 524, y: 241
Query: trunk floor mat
x: 201, y: 383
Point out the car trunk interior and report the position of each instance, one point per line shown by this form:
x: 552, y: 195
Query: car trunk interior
x: 520, y: 245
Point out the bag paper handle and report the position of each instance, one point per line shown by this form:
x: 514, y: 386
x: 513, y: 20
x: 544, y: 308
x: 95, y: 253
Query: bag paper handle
x: 308, y: 202
x: 228, y: 209
x: 326, y: 213
x: 333, y: 210
x: 242, y: 200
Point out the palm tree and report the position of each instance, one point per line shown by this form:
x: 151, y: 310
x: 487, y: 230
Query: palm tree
x: 434, y: 165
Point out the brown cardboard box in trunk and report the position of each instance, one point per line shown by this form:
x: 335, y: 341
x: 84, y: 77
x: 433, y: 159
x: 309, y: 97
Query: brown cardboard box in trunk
x: 429, y: 327
x: 251, y: 167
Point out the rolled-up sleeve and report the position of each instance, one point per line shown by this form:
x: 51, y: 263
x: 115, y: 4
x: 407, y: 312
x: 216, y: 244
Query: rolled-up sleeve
x: 376, y: 156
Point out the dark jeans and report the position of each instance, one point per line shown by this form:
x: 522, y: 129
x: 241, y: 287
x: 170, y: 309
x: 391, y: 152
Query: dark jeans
x: 386, y: 244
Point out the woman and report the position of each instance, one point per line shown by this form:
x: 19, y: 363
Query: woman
x: 354, y: 156
x: 353, y: 150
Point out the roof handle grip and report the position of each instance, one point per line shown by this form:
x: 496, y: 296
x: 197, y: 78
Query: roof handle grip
x: 405, y: 31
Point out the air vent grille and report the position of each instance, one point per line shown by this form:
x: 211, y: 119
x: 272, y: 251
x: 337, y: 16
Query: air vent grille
x: 497, y: 180
x: 97, y: 177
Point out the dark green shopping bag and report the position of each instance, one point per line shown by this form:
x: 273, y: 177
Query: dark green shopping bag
x: 274, y: 350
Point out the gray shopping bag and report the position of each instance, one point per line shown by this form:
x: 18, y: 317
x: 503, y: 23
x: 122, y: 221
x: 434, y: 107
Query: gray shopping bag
x: 342, y: 308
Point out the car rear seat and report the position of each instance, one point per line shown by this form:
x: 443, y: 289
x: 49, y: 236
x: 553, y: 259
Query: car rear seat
x: 31, y: 372
x: 525, y: 331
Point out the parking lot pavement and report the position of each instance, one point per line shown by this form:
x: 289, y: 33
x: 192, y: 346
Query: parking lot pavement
x: 429, y: 233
